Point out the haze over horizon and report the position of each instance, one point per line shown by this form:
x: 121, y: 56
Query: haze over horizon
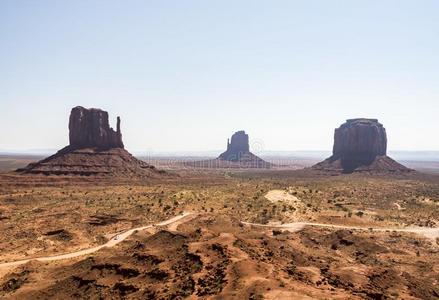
x: 185, y: 75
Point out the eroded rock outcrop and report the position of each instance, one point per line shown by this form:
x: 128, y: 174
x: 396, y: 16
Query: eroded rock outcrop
x: 95, y: 149
x: 89, y: 128
x: 360, y: 145
x: 360, y: 141
x: 237, y: 147
x: 237, y: 155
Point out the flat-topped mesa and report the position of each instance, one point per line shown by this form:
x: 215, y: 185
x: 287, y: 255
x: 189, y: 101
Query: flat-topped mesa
x: 89, y: 128
x: 360, y: 141
x: 95, y: 150
x: 236, y: 147
x: 360, y: 145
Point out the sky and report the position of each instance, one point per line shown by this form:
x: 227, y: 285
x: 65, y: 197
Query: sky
x: 184, y: 75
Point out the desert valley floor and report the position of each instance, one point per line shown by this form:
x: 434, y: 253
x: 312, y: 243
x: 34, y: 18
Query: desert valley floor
x: 230, y: 235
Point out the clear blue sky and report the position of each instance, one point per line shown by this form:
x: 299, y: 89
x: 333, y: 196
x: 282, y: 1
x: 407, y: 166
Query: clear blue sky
x: 184, y: 75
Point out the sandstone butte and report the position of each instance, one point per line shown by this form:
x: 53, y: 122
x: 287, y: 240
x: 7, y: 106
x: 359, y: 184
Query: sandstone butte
x: 94, y: 149
x: 360, y: 145
x: 237, y: 155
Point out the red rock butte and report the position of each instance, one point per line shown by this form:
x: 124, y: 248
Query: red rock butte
x: 89, y: 128
x: 237, y: 148
x: 94, y: 149
x: 237, y: 155
x: 360, y: 145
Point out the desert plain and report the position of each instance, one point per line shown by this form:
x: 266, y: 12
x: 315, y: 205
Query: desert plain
x: 241, y: 234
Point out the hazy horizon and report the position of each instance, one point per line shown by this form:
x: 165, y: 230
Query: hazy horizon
x: 425, y: 156
x: 188, y: 74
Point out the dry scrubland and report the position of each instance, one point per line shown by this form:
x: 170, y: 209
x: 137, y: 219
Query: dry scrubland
x: 13, y: 162
x: 212, y: 253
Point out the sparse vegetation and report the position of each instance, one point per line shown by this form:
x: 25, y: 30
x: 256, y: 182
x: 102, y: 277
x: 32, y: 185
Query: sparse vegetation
x: 85, y: 212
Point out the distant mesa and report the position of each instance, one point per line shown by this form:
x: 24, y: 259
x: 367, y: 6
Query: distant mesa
x: 360, y: 145
x: 237, y: 148
x: 237, y: 155
x: 95, y: 149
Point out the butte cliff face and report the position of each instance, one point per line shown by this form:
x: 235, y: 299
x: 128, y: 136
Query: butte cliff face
x: 360, y: 141
x: 360, y: 145
x: 89, y: 128
x: 237, y: 147
x: 95, y: 149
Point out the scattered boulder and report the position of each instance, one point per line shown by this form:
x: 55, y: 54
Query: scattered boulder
x: 13, y: 281
x: 360, y: 145
x: 103, y: 220
x: 59, y: 234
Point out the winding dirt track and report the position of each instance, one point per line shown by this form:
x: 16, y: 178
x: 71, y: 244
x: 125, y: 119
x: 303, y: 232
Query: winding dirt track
x: 431, y: 233
x: 282, y: 195
x: 116, y: 239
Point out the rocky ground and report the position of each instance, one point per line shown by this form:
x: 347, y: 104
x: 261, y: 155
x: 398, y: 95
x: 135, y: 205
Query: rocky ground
x: 212, y: 254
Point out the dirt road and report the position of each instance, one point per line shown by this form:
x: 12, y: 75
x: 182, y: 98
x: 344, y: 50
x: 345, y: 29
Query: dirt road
x: 116, y: 239
x: 431, y: 233
x: 282, y: 195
